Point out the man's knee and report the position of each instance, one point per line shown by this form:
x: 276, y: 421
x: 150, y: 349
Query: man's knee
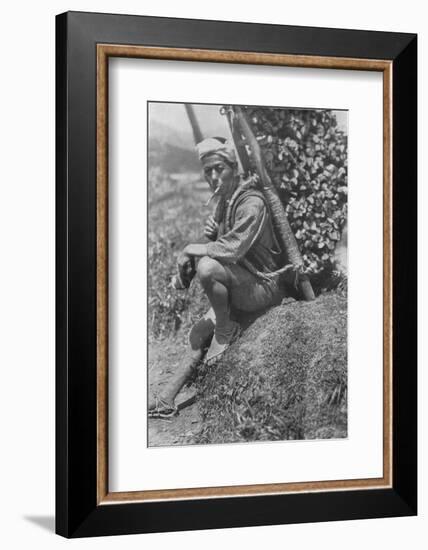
x: 209, y: 270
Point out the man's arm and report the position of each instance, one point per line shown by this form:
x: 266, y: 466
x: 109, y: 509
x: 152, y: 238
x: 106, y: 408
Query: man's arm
x: 196, y: 250
x: 250, y: 218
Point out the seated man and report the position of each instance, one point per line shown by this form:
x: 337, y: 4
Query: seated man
x: 233, y: 268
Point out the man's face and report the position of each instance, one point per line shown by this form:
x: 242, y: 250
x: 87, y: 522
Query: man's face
x: 218, y: 173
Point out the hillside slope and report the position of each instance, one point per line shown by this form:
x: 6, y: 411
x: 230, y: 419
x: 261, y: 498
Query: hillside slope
x: 285, y: 378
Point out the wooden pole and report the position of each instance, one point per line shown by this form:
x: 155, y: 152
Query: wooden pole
x: 277, y: 209
x: 239, y: 143
x: 196, y: 129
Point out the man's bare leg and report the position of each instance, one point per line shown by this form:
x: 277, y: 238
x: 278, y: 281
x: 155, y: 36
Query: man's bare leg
x: 185, y: 370
x: 215, y: 282
x: 199, y: 338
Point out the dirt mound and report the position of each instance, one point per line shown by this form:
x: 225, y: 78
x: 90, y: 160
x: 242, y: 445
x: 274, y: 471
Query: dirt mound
x: 285, y: 378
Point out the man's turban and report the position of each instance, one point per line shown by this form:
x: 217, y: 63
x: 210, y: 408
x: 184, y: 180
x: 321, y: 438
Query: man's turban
x: 216, y: 146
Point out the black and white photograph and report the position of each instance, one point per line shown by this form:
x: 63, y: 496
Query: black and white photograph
x: 247, y: 273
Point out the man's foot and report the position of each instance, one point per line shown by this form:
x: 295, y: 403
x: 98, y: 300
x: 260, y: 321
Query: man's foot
x: 222, y: 339
x: 160, y: 407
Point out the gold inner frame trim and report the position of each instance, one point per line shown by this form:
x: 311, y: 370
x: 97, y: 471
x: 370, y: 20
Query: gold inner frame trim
x: 104, y: 51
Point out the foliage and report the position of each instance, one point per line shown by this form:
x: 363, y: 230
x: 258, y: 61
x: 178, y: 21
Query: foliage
x: 306, y: 156
x: 175, y: 219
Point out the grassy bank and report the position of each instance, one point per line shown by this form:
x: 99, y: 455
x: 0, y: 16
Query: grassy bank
x: 285, y: 378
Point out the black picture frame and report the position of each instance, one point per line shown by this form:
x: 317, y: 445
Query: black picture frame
x: 78, y: 511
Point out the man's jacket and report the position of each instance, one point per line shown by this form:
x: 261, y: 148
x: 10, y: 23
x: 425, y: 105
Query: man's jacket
x: 246, y: 235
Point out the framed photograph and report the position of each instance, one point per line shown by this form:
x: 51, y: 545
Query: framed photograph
x: 236, y: 274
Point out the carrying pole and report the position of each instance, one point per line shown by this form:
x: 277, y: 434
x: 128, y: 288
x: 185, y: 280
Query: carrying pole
x: 240, y: 126
x: 196, y: 129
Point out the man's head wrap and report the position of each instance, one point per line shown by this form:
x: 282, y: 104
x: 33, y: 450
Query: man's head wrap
x: 216, y: 146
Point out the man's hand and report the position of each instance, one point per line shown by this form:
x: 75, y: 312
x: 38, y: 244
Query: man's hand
x: 186, y: 271
x: 211, y: 229
x: 184, y: 261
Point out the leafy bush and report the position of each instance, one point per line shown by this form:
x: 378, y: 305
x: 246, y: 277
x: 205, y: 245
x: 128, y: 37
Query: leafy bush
x: 306, y: 156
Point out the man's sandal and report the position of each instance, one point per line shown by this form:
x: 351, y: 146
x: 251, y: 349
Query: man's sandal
x: 162, y: 409
x: 221, y: 342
